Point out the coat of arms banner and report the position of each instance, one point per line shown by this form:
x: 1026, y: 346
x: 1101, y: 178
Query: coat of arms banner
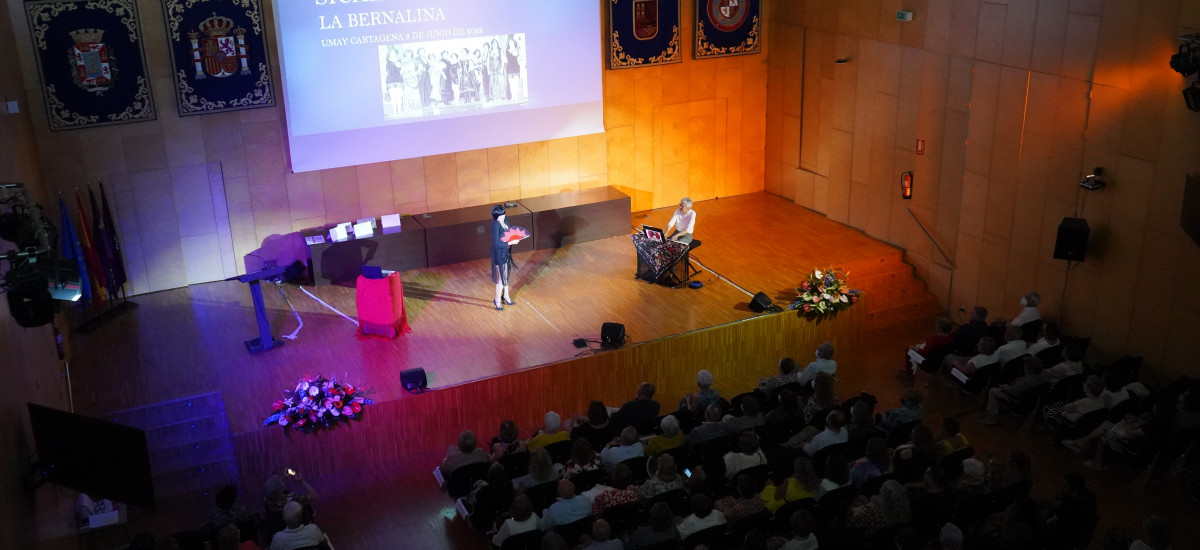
x: 219, y: 55
x: 643, y: 33
x: 90, y: 60
x: 727, y: 27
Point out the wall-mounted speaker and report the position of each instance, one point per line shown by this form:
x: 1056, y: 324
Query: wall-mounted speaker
x: 1071, y: 243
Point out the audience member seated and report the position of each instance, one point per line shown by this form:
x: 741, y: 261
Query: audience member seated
x: 626, y: 446
x: 910, y: 460
x: 276, y: 495
x: 712, y: 427
x: 583, y: 459
x: 1156, y: 535
x: 229, y: 537
x: 812, y: 441
x: 1114, y: 392
x: 463, y: 453
x: 1014, y: 346
x: 751, y: 416
x: 889, y: 507
x: 702, y: 517
x: 1049, y: 339
x: 601, y: 538
x: 661, y: 528
x: 507, y: 441
x: 598, y: 429
x: 823, y: 363
x: 228, y: 511
x: 1126, y: 436
x: 542, y: 469
x: 553, y: 541
x: 1072, y: 364
x: 973, y: 482
x: 967, y: 336
x: 552, y: 432
x: 788, y: 410
x: 491, y: 497
x: 951, y: 537
x: 697, y: 403
x: 670, y: 438
x: 1058, y: 413
x: 1035, y: 376
x: 568, y: 508
x: 521, y: 519
x: 823, y: 398
x: 930, y: 501
x: 1029, y: 310
x: 911, y: 410
x: 1013, y: 470
x: 787, y: 375
x: 638, y: 412
x: 620, y: 490
x: 952, y: 438
x: 877, y: 462
x: 802, y: 484
x: 941, y: 337
x: 986, y: 356
x: 803, y: 538
x: 295, y: 534
x: 837, y: 473
x: 1017, y: 526
x: 666, y: 478
x: 861, y: 426
x: 748, y: 455
x: 1072, y: 516
x: 744, y: 502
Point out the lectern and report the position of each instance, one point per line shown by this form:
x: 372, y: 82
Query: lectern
x: 264, y: 341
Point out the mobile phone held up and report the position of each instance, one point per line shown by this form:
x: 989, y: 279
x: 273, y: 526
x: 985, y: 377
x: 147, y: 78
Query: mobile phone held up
x: 291, y: 472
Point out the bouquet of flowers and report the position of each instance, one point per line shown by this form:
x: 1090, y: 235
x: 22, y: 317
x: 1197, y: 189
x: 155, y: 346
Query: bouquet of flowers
x: 318, y: 403
x: 824, y: 293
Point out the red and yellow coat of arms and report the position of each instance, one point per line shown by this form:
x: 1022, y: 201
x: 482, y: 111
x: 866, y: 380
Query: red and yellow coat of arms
x: 222, y: 52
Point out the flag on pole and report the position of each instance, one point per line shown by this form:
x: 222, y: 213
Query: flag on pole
x: 89, y: 253
x: 114, y: 244
x: 101, y: 242
x: 71, y: 250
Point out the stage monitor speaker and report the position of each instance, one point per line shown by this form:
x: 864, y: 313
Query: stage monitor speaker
x: 612, y: 335
x: 414, y: 380
x: 1071, y: 243
x: 760, y: 303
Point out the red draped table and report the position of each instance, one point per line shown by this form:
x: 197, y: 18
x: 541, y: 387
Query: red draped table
x: 381, y: 307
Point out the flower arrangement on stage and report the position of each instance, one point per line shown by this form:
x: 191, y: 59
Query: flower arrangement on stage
x: 318, y: 403
x: 824, y: 293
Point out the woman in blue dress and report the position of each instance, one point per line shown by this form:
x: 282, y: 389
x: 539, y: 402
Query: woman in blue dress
x: 501, y: 257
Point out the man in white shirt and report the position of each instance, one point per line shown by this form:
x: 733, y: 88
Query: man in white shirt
x: 684, y: 222
x: 1013, y: 347
x: 628, y: 448
x: 1029, y: 310
x: 295, y: 535
x: 823, y: 363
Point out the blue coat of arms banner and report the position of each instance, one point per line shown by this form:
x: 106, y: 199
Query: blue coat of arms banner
x: 642, y: 33
x: 219, y: 55
x: 727, y: 27
x: 89, y: 57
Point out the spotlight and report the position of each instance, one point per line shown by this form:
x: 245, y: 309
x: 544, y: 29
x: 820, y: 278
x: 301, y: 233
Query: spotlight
x: 1191, y: 96
x: 1187, y: 61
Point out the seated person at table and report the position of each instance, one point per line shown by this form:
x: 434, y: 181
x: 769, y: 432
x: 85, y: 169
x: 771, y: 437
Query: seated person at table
x: 1071, y: 364
x: 823, y: 363
x: 1035, y: 375
x: 787, y: 368
x: 941, y: 337
x: 552, y: 432
x: 638, y: 412
x: 1013, y: 346
x: 684, y: 222
x: 568, y: 508
x: 625, y: 447
x: 462, y: 454
x: 985, y: 357
x: 670, y: 438
x: 296, y: 535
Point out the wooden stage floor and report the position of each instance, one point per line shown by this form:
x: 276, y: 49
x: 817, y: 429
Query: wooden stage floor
x: 188, y: 341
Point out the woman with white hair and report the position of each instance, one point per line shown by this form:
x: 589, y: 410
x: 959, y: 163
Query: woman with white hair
x: 684, y: 222
x: 707, y: 395
x: 551, y: 432
x: 889, y: 507
x: 1029, y: 310
x: 670, y: 438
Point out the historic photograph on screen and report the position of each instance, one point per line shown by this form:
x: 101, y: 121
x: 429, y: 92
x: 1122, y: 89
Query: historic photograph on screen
x: 451, y: 76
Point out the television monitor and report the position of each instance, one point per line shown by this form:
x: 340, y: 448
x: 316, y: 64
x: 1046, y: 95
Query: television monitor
x: 101, y: 458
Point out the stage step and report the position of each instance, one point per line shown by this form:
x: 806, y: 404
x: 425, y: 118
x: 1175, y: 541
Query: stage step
x: 191, y: 447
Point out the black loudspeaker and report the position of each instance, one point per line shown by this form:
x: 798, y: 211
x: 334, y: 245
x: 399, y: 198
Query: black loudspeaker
x: 760, y: 303
x: 612, y: 335
x: 1071, y: 244
x: 414, y: 380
